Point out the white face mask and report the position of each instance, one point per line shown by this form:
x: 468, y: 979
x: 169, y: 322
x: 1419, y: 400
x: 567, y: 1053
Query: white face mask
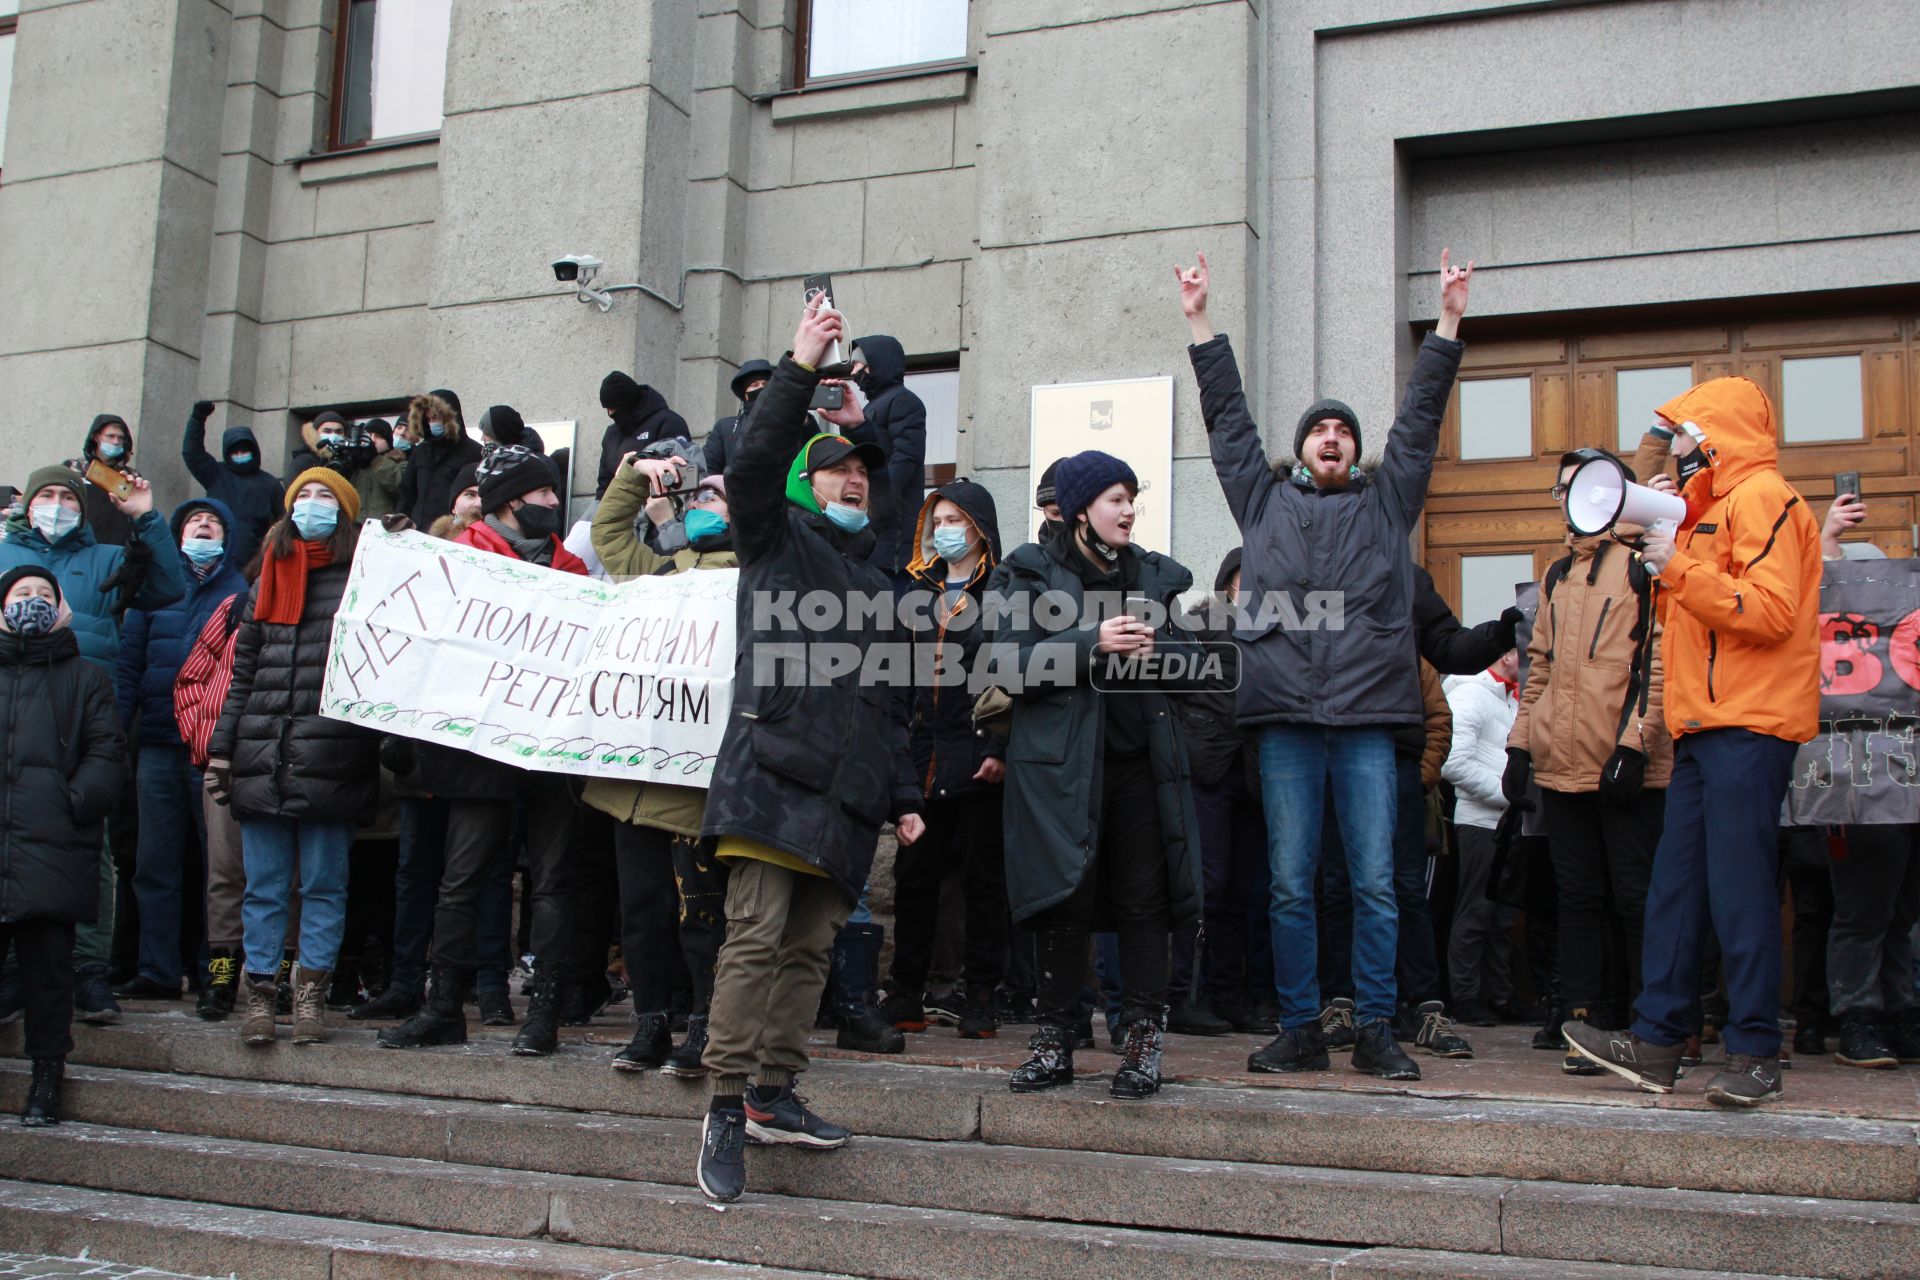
x: 55, y: 521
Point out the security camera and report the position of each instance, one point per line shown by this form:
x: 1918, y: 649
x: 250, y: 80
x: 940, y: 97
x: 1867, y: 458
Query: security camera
x: 580, y: 267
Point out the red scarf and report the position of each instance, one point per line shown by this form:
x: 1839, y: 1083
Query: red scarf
x: 282, y: 594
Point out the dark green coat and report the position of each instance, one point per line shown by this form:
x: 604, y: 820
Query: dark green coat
x: 1057, y: 743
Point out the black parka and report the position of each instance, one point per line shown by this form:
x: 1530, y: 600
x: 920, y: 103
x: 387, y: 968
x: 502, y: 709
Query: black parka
x: 896, y: 420
x: 807, y: 767
x: 1057, y: 746
x: 288, y: 760
x: 947, y: 748
x: 1305, y: 545
x: 65, y: 769
x: 426, y: 486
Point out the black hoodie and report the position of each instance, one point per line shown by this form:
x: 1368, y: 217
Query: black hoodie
x: 109, y: 526
x: 255, y: 495
x: 640, y: 416
x: 947, y: 748
x: 896, y: 421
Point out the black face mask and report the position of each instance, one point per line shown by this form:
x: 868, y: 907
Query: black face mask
x: 537, y: 521
x: 1051, y: 529
x: 746, y: 401
x: 866, y: 381
x: 1693, y: 464
x: 1098, y: 545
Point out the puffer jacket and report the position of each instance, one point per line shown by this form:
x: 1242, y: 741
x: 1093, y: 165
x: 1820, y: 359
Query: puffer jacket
x: 64, y: 768
x: 810, y: 768
x: 948, y: 749
x: 1740, y: 599
x: 1438, y: 732
x: 1057, y: 745
x: 1350, y: 543
x: 83, y: 564
x: 1483, y: 711
x: 661, y: 805
x: 896, y: 420
x: 255, y: 495
x: 288, y: 760
x: 1593, y: 670
x: 154, y: 643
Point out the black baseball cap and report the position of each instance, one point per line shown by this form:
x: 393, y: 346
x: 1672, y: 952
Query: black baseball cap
x: 825, y: 451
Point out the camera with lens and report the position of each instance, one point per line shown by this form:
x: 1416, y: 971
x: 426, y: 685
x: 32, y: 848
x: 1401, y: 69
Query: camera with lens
x: 353, y: 452
x: 682, y: 486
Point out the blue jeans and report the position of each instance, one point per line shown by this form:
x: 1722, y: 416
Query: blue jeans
x: 272, y: 847
x: 1297, y: 764
x: 172, y: 830
x: 1715, y: 873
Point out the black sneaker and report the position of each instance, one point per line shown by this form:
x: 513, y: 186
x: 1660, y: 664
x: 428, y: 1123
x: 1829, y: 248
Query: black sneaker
x: 944, y: 1009
x: 722, y: 1172
x: 904, y: 1012
x: 648, y: 1049
x: 1861, y: 1045
x: 395, y: 1002
x: 1548, y: 1037
x: 1809, y: 1040
x: 1187, y: 1018
x: 1746, y: 1081
x: 144, y: 988
x: 977, y: 1020
x: 496, y: 1007
x: 93, y: 1000
x: 1378, y: 1054
x: 1435, y: 1034
x: 1250, y: 1019
x: 1471, y: 1013
x: 1653, y: 1067
x: 686, y: 1061
x: 1902, y: 1035
x: 222, y: 984
x: 779, y: 1115
x: 1337, y: 1026
x: 1295, y: 1049
x: 1048, y: 1065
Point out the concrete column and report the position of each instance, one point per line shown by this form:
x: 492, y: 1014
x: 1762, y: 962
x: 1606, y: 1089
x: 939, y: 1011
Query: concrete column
x: 113, y: 151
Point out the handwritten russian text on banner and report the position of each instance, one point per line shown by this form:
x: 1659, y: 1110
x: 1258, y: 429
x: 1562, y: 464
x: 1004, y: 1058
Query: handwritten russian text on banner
x: 545, y: 670
x: 1864, y: 767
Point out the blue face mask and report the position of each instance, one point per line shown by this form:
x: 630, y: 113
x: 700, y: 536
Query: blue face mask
x: 314, y: 518
x: 241, y: 459
x: 702, y: 523
x: 951, y: 543
x: 438, y: 428
x: 401, y: 445
x: 846, y: 518
x: 202, y: 550
x: 55, y: 521
x: 112, y: 452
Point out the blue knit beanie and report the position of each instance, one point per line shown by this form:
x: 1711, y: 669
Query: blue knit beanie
x: 1085, y: 476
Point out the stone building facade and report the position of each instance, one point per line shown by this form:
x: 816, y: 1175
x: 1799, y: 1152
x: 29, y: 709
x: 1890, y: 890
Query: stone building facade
x: 1642, y: 182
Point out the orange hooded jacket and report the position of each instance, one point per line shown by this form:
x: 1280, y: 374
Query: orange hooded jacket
x: 1740, y: 599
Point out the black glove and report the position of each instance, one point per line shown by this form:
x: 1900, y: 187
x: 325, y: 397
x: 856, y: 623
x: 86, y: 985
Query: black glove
x: 1622, y: 777
x: 202, y: 410
x: 1509, y: 628
x: 1513, y: 783
x: 396, y: 754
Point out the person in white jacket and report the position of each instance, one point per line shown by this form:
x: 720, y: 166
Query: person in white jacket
x: 1478, y: 954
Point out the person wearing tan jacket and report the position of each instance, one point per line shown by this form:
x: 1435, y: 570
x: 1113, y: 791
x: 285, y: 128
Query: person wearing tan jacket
x: 1590, y: 731
x: 1738, y: 596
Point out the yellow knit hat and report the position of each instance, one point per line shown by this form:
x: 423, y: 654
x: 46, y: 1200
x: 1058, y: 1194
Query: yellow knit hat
x: 336, y: 485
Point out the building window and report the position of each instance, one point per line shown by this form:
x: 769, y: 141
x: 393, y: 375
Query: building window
x: 1638, y: 392
x: 1822, y: 399
x: 1488, y: 585
x: 842, y: 39
x: 939, y: 390
x: 1496, y: 418
x: 9, y: 19
x: 390, y: 70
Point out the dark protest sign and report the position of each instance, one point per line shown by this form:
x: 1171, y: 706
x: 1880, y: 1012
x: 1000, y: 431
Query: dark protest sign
x: 545, y: 670
x: 1864, y: 767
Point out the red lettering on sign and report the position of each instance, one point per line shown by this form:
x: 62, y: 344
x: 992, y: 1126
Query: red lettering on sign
x: 1903, y: 650
x: 1848, y: 666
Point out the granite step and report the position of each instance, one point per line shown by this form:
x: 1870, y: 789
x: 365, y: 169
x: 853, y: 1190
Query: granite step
x: 1636, y: 1142
x: 257, y: 1244
x: 796, y: 1232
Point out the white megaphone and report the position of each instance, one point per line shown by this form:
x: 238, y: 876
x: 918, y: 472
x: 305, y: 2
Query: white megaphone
x: 1602, y: 494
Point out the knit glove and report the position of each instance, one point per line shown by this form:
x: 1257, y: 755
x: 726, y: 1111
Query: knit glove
x: 1622, y: 777
x: 1514, y: 782
x: 1509, y: 628
x: 202, y: 410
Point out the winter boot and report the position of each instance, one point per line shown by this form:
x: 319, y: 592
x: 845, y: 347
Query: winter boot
x: 442, y: 1020
x: 1188, y: 1018
x: 977, y: 1019
x: 345, y: 991
x: 1337, y: 1025
x: 43, y: 1095
x: 496, y: 1007
x: 283, y: 987
x: 541, y: 1034
x: 856, y: 966
x: 686, y: 1060
x: 1377, y: 1053
x: 258, y: 1028
x: 1435, y: 1034
x: 1051, y: 1062
x: 581, y: 1001
x: 1138, y: 1075
x: 396, y: 1002
x: 1301, y: 1048
x: 1862, y: 1045
x: 1901, y: 1032
x: 648, y: 1049
x: 310, y: 1005
x: 223, y: 983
